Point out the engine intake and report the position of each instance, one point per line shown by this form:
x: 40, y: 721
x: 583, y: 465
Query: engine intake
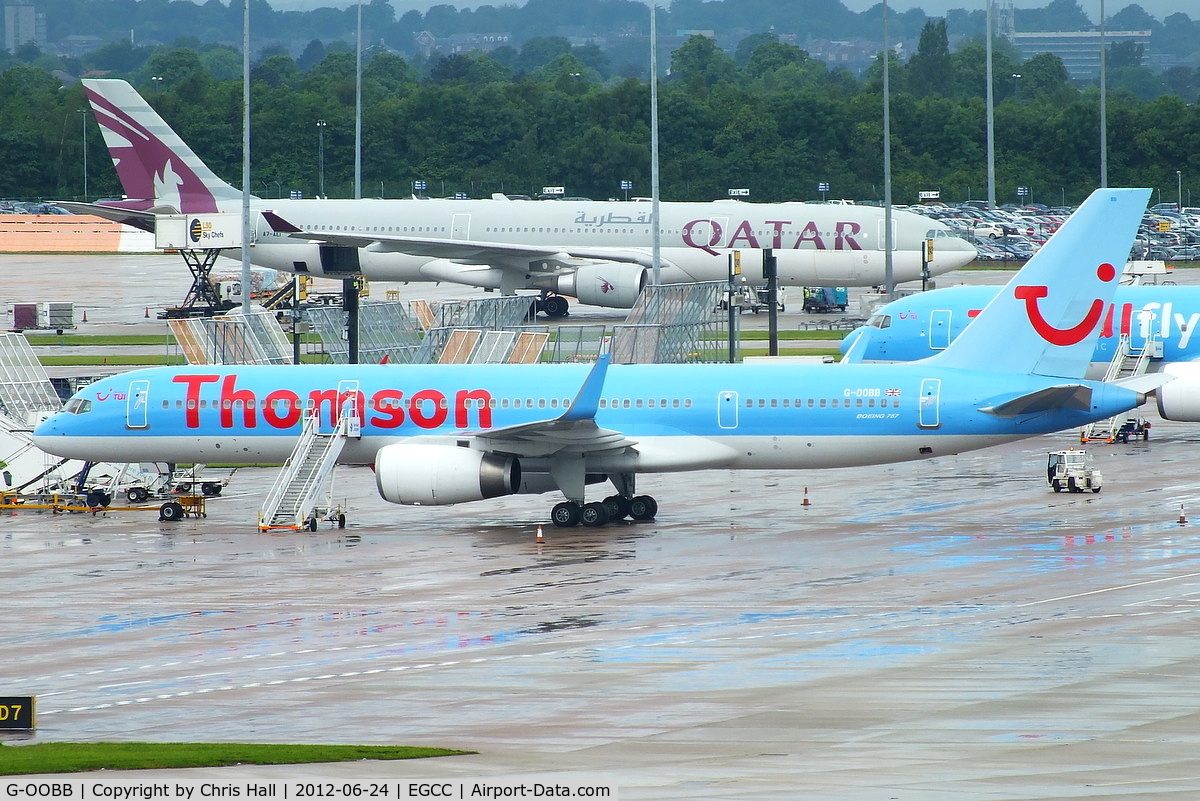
x: 1180, y: 399
x: 435, y: 475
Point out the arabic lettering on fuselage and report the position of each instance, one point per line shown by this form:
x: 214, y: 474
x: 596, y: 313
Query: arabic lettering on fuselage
x: 601, y: 220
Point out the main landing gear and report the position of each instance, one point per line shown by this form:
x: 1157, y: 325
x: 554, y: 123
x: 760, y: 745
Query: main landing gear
x: 553, y: 306
x: 597, y: 513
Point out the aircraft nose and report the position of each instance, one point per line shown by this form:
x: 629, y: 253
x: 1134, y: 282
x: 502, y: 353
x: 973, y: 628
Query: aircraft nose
x: 46, y: 432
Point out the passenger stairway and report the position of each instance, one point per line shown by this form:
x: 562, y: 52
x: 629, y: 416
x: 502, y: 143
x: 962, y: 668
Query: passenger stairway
x: 1127, y: 362
x: 292, y: 501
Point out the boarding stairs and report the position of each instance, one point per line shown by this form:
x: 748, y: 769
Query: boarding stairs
x: 1127, y: 362
x: 292, y: 501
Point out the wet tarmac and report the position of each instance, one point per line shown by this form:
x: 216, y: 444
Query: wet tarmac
x: 946, y: 629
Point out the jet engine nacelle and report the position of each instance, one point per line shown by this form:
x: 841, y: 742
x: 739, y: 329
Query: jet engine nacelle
x: 1180, y: 399
x: 614, y: 285
x: 433, y: 475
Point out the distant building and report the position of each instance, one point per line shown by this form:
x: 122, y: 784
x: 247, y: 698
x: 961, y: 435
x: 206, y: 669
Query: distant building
x: 1079, y: 50
x: 23, y: 23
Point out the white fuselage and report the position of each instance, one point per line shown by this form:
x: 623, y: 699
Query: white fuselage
x: 816, y: 245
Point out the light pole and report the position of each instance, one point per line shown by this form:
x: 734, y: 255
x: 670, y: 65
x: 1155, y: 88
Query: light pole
x: 1016, y: 87
x: 84, y: 112
x: 1178, y: 187
x: 321, y: 157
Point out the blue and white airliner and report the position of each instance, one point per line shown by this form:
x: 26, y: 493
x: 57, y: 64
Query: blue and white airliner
x: 443, y: 434
x: 1164, y: 318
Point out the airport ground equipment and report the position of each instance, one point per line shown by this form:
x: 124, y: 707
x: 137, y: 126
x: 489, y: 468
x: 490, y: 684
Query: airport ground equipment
x: 292, y: 500
x: 1133, y: 428
x: 57, y: 317
x: 1073, y: 471
x: 825, y: 299
x: 1128, y: 361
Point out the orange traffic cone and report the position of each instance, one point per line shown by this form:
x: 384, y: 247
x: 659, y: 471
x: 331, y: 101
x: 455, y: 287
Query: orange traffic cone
x: 85, y: 315
x: 147, y: 312
x: 805, y: 502
x: 1182, y: 516
x: 540, y: 537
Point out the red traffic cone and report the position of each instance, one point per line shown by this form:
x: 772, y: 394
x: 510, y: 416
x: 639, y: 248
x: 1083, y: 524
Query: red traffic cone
x: 1182, y: 516
x: 805, y: 502
x: 540, y: 537
x: 147, y: 312
x: 85, y: 315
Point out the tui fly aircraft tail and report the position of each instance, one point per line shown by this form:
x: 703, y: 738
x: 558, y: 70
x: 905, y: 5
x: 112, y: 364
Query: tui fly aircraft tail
x: 1043, y: 320
x: 158, y: 171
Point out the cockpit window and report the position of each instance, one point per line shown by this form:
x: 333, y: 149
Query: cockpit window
x: 78, y: 406
x: 880, y: 321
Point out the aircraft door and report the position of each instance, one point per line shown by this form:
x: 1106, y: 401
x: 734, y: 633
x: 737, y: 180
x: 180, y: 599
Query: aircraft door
x: 460, y: 226
x: 711, y: 233
x: 927, y: 415
x: 137, y: 404
x: 881, y: 243
x: 939, y: 329
x: 350, y: 406
x: 727, y: 409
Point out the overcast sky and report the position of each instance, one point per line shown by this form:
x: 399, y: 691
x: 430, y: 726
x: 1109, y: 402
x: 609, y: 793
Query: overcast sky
x: 1156, y: 8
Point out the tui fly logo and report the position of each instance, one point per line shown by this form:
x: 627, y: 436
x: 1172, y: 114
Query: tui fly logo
x: 1063, y: 337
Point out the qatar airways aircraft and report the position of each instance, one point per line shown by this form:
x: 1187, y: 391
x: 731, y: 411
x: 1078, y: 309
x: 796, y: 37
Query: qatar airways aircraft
x: 598, y: 252
x: 1165, y: 319
x: 446, y: 434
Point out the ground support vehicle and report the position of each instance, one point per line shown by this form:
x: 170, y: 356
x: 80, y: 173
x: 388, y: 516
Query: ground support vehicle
x: 1072, y: 470
x: 825, y: 299
x: 1133, y: 428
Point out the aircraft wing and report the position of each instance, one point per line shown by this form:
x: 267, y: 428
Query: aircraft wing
x: 494, y: 254
x: 574, y: 431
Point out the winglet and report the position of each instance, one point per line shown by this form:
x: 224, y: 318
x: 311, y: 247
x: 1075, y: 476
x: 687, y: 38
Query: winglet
x: 1046, y: 320
x: 587, y: 400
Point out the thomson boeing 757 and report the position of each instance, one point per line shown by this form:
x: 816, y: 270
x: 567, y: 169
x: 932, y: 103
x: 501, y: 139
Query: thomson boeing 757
x: 1162, y: 321
x: 598, y: 252
x: 444, y: 434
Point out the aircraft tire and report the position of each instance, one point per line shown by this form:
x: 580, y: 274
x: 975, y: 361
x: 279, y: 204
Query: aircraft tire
x: 311, y: 525
x: 137, y: 494
x: 555, y: 306
x: 341, y: 521
x: 171, y: 510
x: 210, y: 488
x: 593, y: 515
x: 643, y: 507
x: 565, y: 514
x: 617, y: 507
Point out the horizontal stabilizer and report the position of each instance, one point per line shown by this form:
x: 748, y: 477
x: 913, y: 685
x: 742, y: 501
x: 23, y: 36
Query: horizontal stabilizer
x: 1076, y: 397
x: 1145, y: 383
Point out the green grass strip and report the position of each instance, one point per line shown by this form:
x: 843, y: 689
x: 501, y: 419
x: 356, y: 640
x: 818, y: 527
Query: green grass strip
x: 818, y: 352
x: 76, y: 757
x: 100, y: 339
x: 785, y: 336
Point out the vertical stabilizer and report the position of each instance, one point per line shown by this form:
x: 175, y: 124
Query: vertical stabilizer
x: 158, y: 171
x: 1046, y: 319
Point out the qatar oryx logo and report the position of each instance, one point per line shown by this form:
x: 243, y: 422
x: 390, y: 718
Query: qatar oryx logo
x: 1063, y: 336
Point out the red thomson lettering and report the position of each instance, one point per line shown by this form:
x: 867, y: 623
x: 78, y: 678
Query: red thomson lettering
x: 387, y: 405
x: 462, y: 403
x: 191, y: 396
x: 230, y: 398
x: 289, y: 402
x: 423, y: 403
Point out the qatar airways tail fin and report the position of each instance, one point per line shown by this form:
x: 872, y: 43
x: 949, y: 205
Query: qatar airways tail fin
x: 158, y: 171
x: 1042, y: 322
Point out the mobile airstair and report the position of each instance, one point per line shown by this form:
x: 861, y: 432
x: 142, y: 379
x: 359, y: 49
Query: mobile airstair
x: 1127, y: 362
x: 292, y: 502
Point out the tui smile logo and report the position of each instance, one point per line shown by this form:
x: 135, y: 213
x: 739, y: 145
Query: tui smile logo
x: 1063, y: 336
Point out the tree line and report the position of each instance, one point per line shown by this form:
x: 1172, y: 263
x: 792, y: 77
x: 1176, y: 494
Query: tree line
x: 768, y: 118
